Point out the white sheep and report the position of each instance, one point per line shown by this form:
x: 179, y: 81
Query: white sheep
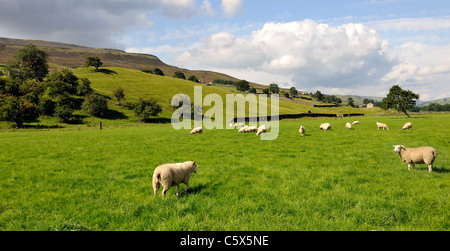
x: 348, y: 126
x: 251, y: 129
x: 325, y: 126
x: 302, y: 130
x: 243, y: 129
x: 170, y: 175
x: 197, y: 130
x: 422, y: 155
x: 407, y: 126
x: 262, y: 129
x: 383, y: 126
x: 355, y: 123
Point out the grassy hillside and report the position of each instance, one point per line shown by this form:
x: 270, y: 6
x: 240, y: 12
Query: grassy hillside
x: 336, y: 180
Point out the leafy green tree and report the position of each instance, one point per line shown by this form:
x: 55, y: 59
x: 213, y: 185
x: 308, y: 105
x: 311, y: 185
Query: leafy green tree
x: 193, y: 79
x: 95, y: 62
x: 293, y: 91
x: 30, y: 62
x: 158, y: 72
x: 266, y: 91
x: 179, y: 75
x: 18, y: 110
x: 119, y: 93
x: 318, y: 95
x: 351, y: 102
x: 95, y: 105
x: 399, y: 99
x: 64, y: 113
x: 242, y: 85
x: 84, y: 87
x: 252, y: 90
x: 147, y: 108
x: 273, y: 88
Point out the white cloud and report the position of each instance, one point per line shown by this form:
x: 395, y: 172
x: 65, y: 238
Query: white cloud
x: 411, y: 24
x: 231, y: 7
x: 207, y: 8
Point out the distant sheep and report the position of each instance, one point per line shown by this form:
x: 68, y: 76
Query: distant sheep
x: 171, y: 175
x: 251, y: 129
x: 407, y: 126
x: 243, y: 129
x: 348, y: 126
x: 423, y: 155
x: 302, y: 130
x: 382, y: 126
x: 262, y: 129
x: 197, y: 130
x: 355, y: 123
x: 325, y: 127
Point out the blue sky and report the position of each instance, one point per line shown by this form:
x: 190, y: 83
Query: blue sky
x: 339, y: 47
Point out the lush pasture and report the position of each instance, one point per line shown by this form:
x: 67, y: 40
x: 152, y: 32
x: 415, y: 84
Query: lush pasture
x: 336, y: 180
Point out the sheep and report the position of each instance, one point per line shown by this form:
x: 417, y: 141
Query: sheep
x: 355, y: 123
x: 243, y: 129
x: 348, y: 126
x: 381, y: 125
x: 197, y: 130
x: 262, y: 129
x: 170, y: 175
x: 251, y: 129
x: 407, y: 126
x: 325, y: 126
x: 302, y: 130
x: 422, y: 155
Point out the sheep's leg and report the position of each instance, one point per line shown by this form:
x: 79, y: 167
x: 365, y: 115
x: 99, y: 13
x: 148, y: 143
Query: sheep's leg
x: 187, y: 186
x: 164, y: 192
x: 409, y: 167
x: 430, y: 168
x: 178, y: 190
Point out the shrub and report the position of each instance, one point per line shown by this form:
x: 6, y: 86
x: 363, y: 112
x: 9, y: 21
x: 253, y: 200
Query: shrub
x: 147, y: 108
x: 95, y: 105
x: 64, y: 113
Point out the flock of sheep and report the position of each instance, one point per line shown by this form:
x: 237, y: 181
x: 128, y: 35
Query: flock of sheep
x: 170, y: 175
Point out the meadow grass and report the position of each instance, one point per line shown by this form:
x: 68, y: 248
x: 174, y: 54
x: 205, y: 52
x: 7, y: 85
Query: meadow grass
x: 336, y: 180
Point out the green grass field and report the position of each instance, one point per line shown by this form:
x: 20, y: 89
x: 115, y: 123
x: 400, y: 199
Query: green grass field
x: 336, y: 180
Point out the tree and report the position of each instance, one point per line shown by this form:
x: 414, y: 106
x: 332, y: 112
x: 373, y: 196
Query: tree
x: 266, y: 91
x: 147, y: 108
x: 252, y: 90
x: 30, y: 63
x: 193, y: 79
x: 179, y: 75
x: 242, y: 85
x: 95, y: 105
x: 18, y: 110
x: 119, y: 94
x: 293, y: 91
x: 158, y: 72
x: 399, y: 99
x: 273, y: 88
x: 351, y: 102
x: 95, y: 62
x: 318, y: 95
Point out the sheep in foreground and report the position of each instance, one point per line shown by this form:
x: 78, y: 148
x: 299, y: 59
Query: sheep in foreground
x: 302, y: 130
x: 170, y: 175
x: 348, y: 126
x: 407, y: 126
x: 262, y: 129
x: 422, y: 155
x: 383, y: 126
x: 243, y: 129
x: 325, y: 127
x: 197, y: 130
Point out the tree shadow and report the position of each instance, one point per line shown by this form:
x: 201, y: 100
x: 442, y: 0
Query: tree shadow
x: 114, y: 115
x: 157, y: 121
x: 107, y: 71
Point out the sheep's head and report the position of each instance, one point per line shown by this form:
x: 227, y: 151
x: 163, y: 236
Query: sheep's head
x: 195, y: 167
x: 398, y: 148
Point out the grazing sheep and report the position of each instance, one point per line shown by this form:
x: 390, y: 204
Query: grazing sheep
x: 381, y: 125
x: 407, y: 126
x: 302, y: 130
x: 355, y: 123
x: 170, y: 175
x: 325, y: 127
x: 348, y: 126
x: 262, y: 129
x: 197, y: 130
x: 243, y: 129
x: 251, y: 129
x: 421, y: 155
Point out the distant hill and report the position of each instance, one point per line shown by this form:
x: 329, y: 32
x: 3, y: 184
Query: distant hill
x: 73, y: 56
x: 443, y: 101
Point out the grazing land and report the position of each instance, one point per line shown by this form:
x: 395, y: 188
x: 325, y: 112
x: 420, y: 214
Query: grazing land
x: 336, y: 180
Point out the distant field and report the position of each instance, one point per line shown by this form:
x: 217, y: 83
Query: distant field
x: 336, y: 180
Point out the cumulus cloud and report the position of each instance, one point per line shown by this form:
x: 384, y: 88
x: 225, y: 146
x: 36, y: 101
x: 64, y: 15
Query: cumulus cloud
x: 306, y: 53
x: 231, y: 7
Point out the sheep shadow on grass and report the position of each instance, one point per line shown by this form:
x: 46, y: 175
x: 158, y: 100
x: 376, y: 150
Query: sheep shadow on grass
x: 193, y: 190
